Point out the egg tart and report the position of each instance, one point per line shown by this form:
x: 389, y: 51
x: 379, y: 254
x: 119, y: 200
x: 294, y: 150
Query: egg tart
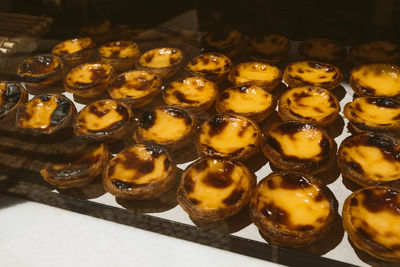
x: 256, y: 73
x: 169, y: 126
x: 228, y: 136
x: 194, y: 94
x: 141, y: 171
x: 225, y: 41
x: 270, y: 48
x: 12, y: 95
x: 46, y: 114
x: 370, y: 159
x: 213, y: 189
x: 88, y: 80
x: 323, y: 50
x: 309, y: 103
x: 105, y: 120
x: 40, y: 71
x: 252, y: 102
x: 313, y: 73
x: 79, y: 171
x: 136, y: 87
x: 291, y: 209
x: 121, y: 55
x: 164, y: 61
x: 375, y: 52
x: 378, y: 114
x: 74, y: 51
x: 299, y: 146
x: 371, y: 218
x: 376, y: 80
x: 212, y: 66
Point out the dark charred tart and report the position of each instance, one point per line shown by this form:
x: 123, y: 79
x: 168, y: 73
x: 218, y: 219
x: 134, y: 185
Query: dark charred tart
x: 324, y: 50
x: 80, y: 171
x: 225, y: 41
x: 74, y: 51
x: 12, y: 95
x: 213, y: 189
x: 169, y: 126
x: 375, y: 52
x: 136, y: 87
x: 379, y: 114
x: 163, y: 62
x: 291, y: 209
x: 88, y: 80
x: 371, y: 218
x: 252, y: 102
x: 271, y: 48
x: 121, y: 55
x: 40, y: 71
x: 370, y: 159
x: 376, y: 80
x: 309, y: 103
x: 228, y: 136
x: 46, y: 114
x: 299, y: 146
x: 141, y: 171
x: 105, y: 120
x: 212, y: 66
x: 314, y: 73
x: 256, y: 73
x: 194, y: 94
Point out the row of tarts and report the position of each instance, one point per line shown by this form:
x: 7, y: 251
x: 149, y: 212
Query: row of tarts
x: 290, y: 207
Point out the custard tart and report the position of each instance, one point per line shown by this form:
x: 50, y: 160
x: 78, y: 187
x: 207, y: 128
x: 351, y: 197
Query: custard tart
x: 309, y: 103
x: 136, y: 87
x: 299, y: 146
x: 270, y: 48
x: 163, y: 62
x: 313, y: 73
x: 74, y: 51
x: 370, y: 159
x: 46, y: 114
x: 79, y: 171
x: 194, y: 94
x: 228, y: 136
x: 376, y: 80
x: 88, y: 80
x: 141, y: 171
x: 213, y: 189
x: 252, y: 102
x: 40, y: 71
x: 324, y: 50
x: 106, y: 120
x: 225, y: 41
x: 371, y: 218
x: 212, y: 66
x: 291, y: 209
x: 169, y: 126
x: 12, y: 95
x: 379, y: 114
x: 256, y: 73
x: 121, y: 55
x: 375, y: 52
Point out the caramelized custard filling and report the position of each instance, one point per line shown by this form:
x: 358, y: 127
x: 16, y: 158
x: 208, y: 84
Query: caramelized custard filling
x: 210, y: 64
x: 134, y: 84
x: 119, y: 49
x: 73, y: 46
x: 160, y: 57
x: 250, y: 71
x: 39, y: 65
x: 87, y: 74
x: 312, y: 72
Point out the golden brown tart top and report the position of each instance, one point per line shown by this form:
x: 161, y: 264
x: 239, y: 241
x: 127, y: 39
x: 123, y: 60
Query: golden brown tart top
x: 119, y: 49
x: 309, y: 103
x: 370, y: 158
x: 39, y: 67
x: 212, y: 66
x: 228, y: 136
x: 292, y: 209
x: 271, y: 48
x: 324, y: 50
x: 375, y: 52
x: 312, y: 73
x: 88, y: 74
x: 161, y: 57
x: 371, y: 217
x: 73, y: 46
x: 12, y: 95
x: 376, y: 80
x: 213, y: 189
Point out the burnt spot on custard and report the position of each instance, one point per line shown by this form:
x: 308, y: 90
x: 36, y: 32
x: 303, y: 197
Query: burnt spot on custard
x: 179, y: 113
x: 275, y: 214
x: 217, y: 125
x: 381, y: 200
x: 149, y: 57
x: 118, y: 82
x: 234, y: 197
x: 318, y: 65
x: 61, y: 112
x: 220, y: 180
x: 173, y: 60
x: 224, y: 96
x: 40, y: 64
x: 294, y: 181
x: 383, y: 102
x: 147, y: 120
x: 183, y: 99
x: 188, y: 184
x: 98, y: 74
x: 10, y: 97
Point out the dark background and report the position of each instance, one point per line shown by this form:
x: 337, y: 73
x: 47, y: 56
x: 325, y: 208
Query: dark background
x: 346, y: 21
